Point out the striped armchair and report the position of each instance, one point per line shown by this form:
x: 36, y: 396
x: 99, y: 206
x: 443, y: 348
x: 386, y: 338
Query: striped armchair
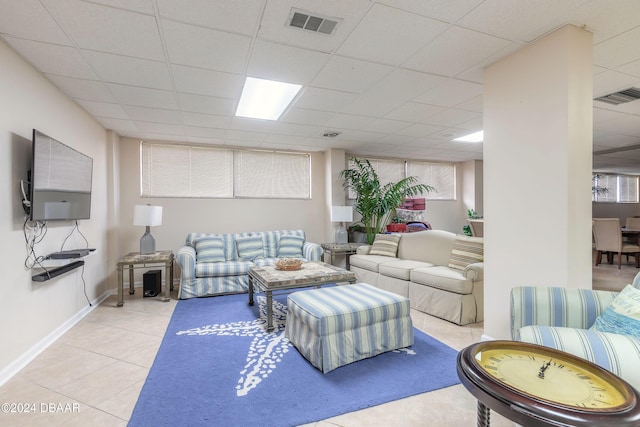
x: 561, y: 317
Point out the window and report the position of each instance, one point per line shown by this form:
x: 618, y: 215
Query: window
x: 441, y: 176
x: 619, y: 188
x: 209, y: 172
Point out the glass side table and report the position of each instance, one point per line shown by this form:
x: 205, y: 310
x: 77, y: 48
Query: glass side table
x: 135, y: 260
x: 333, y: 249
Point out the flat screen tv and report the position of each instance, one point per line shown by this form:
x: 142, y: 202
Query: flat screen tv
x: 60, y: 181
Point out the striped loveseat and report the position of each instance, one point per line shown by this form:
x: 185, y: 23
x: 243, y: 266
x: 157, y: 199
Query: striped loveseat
x: 218, y: 264
x: 561, y: 317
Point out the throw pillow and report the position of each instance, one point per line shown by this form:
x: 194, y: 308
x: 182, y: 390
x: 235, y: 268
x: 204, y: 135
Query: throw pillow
x: 210, y: 250
x: 290, y: 246
x: 249, y: 248
x: 622, y: 316
x: 385, y: 245
x: 466, y: 250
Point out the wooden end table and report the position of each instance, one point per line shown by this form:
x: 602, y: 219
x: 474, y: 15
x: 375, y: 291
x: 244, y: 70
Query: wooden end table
x: 268, y: 279
x: 333, y: 249
x: 135, y: 260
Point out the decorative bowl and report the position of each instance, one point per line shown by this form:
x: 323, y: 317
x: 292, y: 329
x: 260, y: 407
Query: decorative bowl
x: 289, y: 264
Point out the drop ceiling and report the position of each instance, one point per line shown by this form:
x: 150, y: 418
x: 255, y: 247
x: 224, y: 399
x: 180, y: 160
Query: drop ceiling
x: 394, y: 78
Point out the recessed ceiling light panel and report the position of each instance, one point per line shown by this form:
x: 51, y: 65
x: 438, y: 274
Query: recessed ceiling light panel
x: 265, y: 99
x: 472, y: 137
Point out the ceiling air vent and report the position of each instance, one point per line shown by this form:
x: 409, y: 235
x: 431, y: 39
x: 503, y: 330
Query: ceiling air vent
x: 621, y: 97
x: 314, y: 23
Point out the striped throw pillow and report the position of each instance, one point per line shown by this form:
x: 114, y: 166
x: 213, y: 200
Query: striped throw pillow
x: 249, y: 248
x: 466, y: 250
x: 210, y: 250
x: 385, y: 245
x: 290, y: 246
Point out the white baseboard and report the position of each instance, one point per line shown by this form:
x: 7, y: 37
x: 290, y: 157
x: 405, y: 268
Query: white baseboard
x: 484, y: 337
x: 17, y: 365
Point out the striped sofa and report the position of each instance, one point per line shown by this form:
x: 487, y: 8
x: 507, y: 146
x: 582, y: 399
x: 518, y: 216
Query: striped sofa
x: 561, y: 317
x: 429, y: 270
x: 218, y: 264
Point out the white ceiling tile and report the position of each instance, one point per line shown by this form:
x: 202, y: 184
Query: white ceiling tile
x: 207, y: 104
x: 449, y: 11
x: 142, y: 6
x: 205, y: 48
x: 452, y: 117
x: 53, y: 59
x: 159, y: 130
x: 473, y: 104
x: 123, y: 126
x: 387, y: 126
x: 349, y: 121
x: 414, y: 112
x: 520, y: 20
x: 632, y: 68
x: 143, y: 97
x: 30, y: 20
x: 451, y: 93
x: 419, y: 130
x: 90, y: 90
x: 350, y: 75
x: 606, y: 19
x: 206, y: 132
x: 129, y: 71
x: 456, y: 50
x: 205, y: 120
x: 103, y: 109
x: 372, y: 105
x: 155, y: 115
x: 240, y: 17
x: 390, y: 35
x: 207, y: 82
x: 619, y: 50
x: 275, y: 61
x: 306, y: 117
x: 611, y: 81
x: 323, y: 99
x: 107, y: 29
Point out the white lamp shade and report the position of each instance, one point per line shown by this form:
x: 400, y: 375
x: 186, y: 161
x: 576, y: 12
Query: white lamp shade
x: 341, y: 214
x: 147, y: 215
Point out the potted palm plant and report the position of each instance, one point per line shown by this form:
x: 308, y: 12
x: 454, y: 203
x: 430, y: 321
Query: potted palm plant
x: 374, y: 201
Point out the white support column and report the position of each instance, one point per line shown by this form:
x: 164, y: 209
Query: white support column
x: 537, y: 170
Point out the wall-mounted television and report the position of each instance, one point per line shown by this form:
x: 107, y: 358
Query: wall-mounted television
x: 60, y: 181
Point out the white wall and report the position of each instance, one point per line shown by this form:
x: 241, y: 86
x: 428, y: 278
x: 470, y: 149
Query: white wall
x: 538, y: 136
x: 181, y: 215
x: 31, y: 311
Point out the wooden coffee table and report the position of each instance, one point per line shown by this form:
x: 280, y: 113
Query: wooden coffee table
x: 268, y: 279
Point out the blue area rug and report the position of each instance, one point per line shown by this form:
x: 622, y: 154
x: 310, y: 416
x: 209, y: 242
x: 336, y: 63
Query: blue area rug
x: 217, y: 366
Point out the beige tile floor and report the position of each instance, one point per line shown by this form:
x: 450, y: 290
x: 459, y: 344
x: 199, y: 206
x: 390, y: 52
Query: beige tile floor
x: 93, y: 374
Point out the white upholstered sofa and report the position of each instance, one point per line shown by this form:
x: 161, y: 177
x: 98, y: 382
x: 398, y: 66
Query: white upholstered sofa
x: 218, y: 264
x: 422, y: 271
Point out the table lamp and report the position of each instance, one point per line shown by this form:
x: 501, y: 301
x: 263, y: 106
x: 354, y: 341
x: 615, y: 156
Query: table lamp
x: 148, y: 216
x: 341, y: 214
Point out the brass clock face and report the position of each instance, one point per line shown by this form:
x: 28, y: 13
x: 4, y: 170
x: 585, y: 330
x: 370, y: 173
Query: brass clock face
x: 552, y: 376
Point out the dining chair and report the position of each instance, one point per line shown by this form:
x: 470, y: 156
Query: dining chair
x: 633, y: 223
x: 607, y: 234
x: 477, y: 227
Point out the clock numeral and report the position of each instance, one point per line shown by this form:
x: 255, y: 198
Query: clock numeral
x: 558, y: 365
x: 495, y: 368
x: 584, y: 377
x: 495, y: 359
x: 532, y: 357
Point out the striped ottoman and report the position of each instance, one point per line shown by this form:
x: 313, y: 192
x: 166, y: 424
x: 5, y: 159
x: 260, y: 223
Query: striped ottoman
x: 334, y: 326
